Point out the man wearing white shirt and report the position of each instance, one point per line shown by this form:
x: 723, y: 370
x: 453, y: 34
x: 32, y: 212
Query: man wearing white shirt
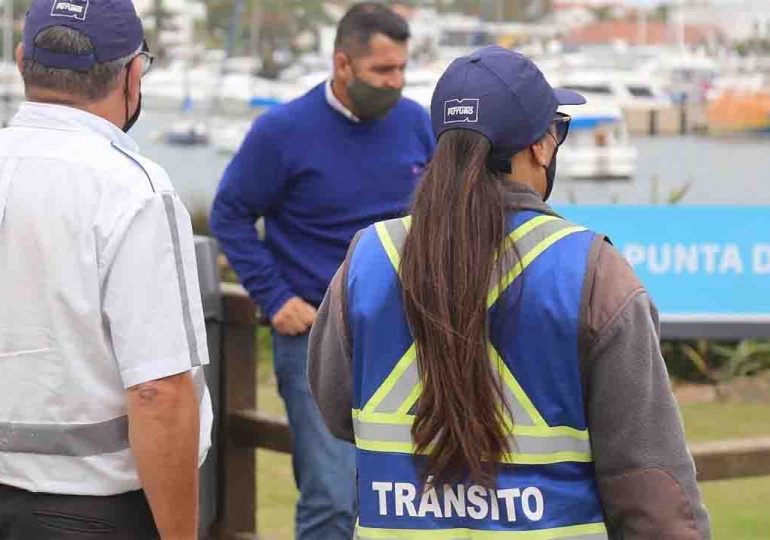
x: 104, y: 412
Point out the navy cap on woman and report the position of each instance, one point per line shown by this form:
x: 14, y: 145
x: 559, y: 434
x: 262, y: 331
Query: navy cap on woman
x: 502, y: 95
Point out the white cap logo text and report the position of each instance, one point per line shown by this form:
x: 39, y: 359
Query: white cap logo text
x: 75, y: 9
x: 461, y: 110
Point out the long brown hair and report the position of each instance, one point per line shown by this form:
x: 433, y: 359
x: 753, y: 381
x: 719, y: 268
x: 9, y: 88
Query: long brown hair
x: 458, y: 227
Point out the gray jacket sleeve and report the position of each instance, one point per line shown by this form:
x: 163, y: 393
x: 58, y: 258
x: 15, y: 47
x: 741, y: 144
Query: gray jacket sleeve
x: 645, y: 473
x: 330, y: 362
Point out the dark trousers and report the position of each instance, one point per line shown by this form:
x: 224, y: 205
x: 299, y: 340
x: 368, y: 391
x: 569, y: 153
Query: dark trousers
x: 33, y: 516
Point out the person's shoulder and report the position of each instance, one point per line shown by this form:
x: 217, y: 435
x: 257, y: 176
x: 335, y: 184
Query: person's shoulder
x: 390, y: 234
x: 611, y: 284
x: 411, y: 108
x: 290, y: 112
x: 139, y: 174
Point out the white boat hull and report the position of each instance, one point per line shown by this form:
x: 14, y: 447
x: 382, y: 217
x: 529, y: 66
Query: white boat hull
x: 618, y: 161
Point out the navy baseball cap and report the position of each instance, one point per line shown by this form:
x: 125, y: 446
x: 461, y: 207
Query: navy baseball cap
x: 502, y: 95
x: 112, y: 26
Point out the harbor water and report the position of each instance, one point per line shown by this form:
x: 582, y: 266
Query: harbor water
x: 711, y: 170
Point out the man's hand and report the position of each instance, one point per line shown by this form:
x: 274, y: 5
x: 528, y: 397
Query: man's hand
x: 294, y: 318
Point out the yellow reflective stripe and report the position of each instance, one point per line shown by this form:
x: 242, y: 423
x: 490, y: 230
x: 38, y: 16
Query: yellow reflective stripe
x: 551, y: 431
x: 563, y: 533
x: 387, y: 244
x: 545, y: 459
x: 387, y: 385
x: 518, y: 392
x: 507, y: 458
x: 527, y: 260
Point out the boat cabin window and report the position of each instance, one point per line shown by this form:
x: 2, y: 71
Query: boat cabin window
x: 640, y: 91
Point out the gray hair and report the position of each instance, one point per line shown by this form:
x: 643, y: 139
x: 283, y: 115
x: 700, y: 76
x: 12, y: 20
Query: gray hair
x: 92, y: 85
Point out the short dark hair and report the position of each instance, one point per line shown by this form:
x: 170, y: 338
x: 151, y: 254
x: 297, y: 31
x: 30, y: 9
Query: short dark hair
x: 93, y: 85
x: 365, y: 19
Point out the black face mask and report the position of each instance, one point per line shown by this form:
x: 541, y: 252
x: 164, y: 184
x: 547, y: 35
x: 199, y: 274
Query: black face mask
x: 130, y: 121
x: 550, y: 175
x: 371, y: 102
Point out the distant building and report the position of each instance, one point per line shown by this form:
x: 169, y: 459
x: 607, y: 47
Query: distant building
x: 631, y: 32
x: 740, y: 20
x: 516, y: 10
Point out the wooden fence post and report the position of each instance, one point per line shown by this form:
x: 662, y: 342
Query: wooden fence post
x: 238, y: 501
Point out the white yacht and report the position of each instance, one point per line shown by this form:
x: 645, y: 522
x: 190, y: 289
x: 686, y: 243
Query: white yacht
x: 598, y: 146
x: 630, y: 90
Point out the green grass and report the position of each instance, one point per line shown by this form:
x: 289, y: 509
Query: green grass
x: 712, y: 421
x: 276, y: 491
x: 738, y: 508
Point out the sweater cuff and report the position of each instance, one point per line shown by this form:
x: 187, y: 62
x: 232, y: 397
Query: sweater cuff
x: 272, y: 302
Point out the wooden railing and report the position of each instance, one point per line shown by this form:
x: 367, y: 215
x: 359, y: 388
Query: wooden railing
x: 245, y: 429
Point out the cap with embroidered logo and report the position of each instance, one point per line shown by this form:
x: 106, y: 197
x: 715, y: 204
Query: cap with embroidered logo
x: 502, y: 95
x: 112, y: 26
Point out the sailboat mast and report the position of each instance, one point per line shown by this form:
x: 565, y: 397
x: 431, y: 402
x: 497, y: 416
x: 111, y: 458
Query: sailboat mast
x: 8, y: 49
x: 230, y: 42
x: 8, y: 31
x: 680, y: 30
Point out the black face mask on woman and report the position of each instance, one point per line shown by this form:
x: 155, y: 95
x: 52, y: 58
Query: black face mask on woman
x: 550, y: 174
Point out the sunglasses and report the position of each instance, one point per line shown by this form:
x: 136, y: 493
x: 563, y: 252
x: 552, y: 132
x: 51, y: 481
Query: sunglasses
x: 560, y: 127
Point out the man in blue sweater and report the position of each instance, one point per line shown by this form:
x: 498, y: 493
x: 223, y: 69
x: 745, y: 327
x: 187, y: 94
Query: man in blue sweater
x: 318, y: 169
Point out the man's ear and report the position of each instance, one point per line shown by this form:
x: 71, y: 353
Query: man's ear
x: 19, y: 56
x: 342, y: 65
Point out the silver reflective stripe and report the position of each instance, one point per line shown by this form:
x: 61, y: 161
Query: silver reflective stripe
x: 199, y: 379
x: 401, y: 390
x: 520, y: 416
x: 515, y: 252
x: 192, y: 343
x: 74, y: 440
x: 5, y: 184
x: 522, y: 444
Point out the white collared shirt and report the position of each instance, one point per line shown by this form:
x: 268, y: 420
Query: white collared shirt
x: 98, y: 293
x: 337, y: 105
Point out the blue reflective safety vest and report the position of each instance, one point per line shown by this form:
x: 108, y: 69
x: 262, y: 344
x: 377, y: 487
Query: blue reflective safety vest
x: 546, y: 487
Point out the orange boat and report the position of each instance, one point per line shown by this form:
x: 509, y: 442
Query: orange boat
x: 739, y: 112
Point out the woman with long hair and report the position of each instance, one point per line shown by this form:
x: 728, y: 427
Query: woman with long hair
x: 497, y: 367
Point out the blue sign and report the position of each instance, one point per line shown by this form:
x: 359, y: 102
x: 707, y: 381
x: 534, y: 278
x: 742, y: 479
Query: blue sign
x: 694, y: 260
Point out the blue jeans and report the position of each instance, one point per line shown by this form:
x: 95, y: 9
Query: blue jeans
x: 324, y: 466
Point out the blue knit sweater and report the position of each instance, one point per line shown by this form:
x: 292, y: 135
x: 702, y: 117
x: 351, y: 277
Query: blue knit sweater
x: 317, y: 178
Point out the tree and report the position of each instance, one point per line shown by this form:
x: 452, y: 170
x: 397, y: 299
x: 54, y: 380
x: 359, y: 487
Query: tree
x: 275, y: 25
